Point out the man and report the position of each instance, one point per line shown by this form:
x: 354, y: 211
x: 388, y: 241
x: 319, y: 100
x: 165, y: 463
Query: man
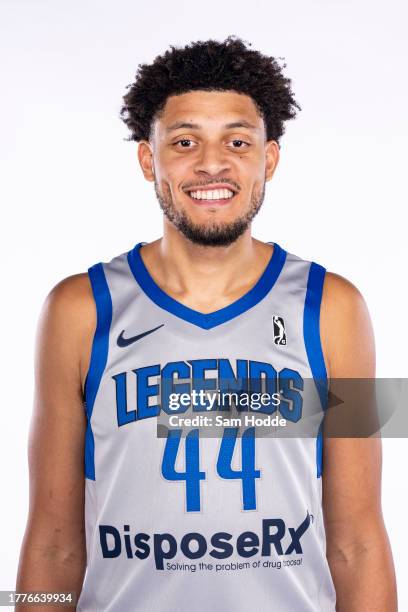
x: 222, y: 522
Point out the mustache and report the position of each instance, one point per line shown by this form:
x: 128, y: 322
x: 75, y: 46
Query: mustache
x: 214, y: 181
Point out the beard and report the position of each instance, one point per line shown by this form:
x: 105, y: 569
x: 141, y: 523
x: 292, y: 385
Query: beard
x: 215, y: 234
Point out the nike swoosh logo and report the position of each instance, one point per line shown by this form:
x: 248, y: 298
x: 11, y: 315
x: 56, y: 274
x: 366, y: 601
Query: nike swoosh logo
x: 126, y: 341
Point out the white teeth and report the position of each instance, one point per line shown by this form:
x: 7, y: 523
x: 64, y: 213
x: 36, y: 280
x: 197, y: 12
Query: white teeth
x: 212, y: 194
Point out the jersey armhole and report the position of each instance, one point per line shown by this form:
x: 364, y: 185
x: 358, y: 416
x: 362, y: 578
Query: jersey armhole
x: 314, y: 351
x: 99, y: 356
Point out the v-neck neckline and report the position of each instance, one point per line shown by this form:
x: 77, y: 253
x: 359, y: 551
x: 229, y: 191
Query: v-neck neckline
x: 207, y: 320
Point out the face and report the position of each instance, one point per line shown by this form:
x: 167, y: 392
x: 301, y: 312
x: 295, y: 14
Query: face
x: 209, y: 160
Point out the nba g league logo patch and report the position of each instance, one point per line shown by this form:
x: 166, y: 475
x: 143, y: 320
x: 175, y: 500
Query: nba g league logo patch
x: 279, y: 332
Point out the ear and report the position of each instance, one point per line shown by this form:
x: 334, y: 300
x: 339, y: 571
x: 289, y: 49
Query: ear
x: 271, y: 158
x: 145, y: 156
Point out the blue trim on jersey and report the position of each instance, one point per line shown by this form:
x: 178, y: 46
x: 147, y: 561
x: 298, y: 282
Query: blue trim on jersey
x: 311, y: 332
x: 99, y: 357
x: 212, y: 319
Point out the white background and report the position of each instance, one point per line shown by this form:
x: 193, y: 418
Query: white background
x: 72, y: 193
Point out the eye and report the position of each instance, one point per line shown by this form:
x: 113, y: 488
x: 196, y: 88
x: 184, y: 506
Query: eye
x: 184, y: 143
x: 239, y: 144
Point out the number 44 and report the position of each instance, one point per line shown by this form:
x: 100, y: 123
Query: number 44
x: 192, y: 474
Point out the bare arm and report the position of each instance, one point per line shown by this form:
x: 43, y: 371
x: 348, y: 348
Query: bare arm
x: 53, y: 555
x: 358, y: 549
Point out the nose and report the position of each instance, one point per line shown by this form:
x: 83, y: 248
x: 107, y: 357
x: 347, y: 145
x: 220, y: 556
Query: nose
x: 212, y: 160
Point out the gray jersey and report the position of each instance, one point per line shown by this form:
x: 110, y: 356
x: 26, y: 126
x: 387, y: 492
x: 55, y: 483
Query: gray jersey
x: 196, y: 522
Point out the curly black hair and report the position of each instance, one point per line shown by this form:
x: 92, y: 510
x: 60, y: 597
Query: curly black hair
x: 212, y: 66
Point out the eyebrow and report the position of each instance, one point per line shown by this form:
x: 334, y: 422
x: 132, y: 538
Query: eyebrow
x: 195, y: 126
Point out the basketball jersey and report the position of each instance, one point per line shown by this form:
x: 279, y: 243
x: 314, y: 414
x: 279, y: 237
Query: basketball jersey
x: 201, y: 522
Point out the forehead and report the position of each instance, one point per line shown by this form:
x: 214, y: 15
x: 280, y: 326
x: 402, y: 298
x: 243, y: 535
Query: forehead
x: 209, y: 107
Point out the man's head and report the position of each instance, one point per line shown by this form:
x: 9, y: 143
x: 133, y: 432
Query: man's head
x: 208, y: 118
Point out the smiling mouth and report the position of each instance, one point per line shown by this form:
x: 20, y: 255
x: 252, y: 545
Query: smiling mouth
x: 211, y: 196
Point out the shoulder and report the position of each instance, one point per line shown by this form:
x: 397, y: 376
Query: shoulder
x: 342, y: 301
x: 71, y: 299
x: 68, y: 321
x: 346, y: 329
x: 340, y: 293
